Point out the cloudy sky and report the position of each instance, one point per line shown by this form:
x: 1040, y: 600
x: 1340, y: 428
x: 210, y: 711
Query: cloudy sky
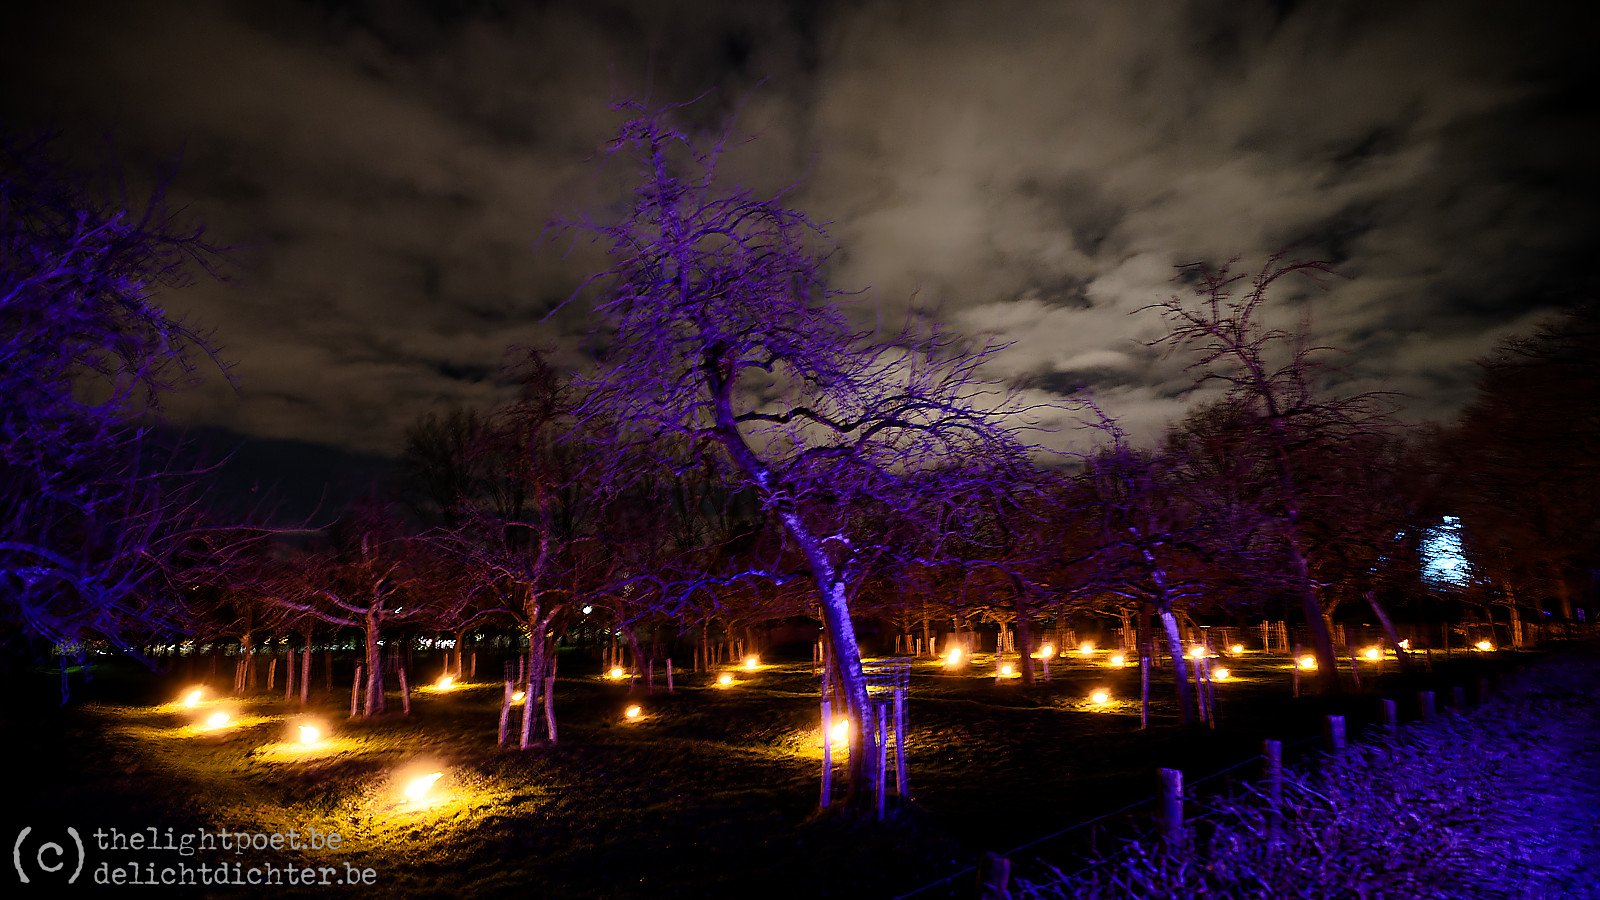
x: 1029, y: 172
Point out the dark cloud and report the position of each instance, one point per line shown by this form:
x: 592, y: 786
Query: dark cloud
x: 1028, y: 172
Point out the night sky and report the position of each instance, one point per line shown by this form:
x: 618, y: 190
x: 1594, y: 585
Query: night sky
x: 1029, y: 172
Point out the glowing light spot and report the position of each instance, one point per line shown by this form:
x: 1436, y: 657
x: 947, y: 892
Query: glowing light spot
x: 218, y: 720
x: 1117, y: 660
x: 1048, y: 651
x: 1484, y: 645
x: 1008, y: 670
x: 587, y: 610
x: 1085, y: 648
x: 839, y: 732
x: 1100, y: 696
x: 1197, y: 652
x: 310, y: 735
x: 633, y: 712
x: 1308, y: 662
x: 445, y: 682
x: 1372, y: 653
x: 616, y: 672
x: 1220, y: 674
x: 751, y: 662
x: 1236, y: 649
x: 519, y: 696
x: 953, y: 658
x: 724, y: 680
x: 1405, y: 644
x: 193, y: 698
x: 417, y: 789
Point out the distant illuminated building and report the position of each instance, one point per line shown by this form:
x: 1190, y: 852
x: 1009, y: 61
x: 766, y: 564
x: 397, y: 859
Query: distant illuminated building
x: 1443, y: 561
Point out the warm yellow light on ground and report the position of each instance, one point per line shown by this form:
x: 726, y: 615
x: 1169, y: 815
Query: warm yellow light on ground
x: 1085, y: 648
x: 633, y: 712
x: 519, y: 696
x: 724, y: 680
x: 1100, y: 696
x: 445, y: 682
x: 218, y: 720
x: 193, y: 698
x: 417, y: 789
x: 1048, y: 651
x: 310, y: 735
x: 1308, y: 662
x: 1008, y: 670
x: 616, y: 672
x: 1117, y: 659
x: 1196, y: 652
x: 1372, y: 653
x: 1220, y: 674
x: 953, y: 658
x: 750, y: 662
x: 1236, y: 649
x: 1484, y: 645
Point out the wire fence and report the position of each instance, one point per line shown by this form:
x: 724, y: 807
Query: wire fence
x: 1115, y: 814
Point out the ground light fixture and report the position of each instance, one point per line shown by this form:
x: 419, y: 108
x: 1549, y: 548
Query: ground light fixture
x: 1308, y: 662
x: 1085, y: 648
x: 309, y: 735
x: 839, y: 732
x: 1197, y: 652
x: 418, y: 789
x: 445, y: 682
x: 1236, y: 649
x: 751, y: 662
x: 953, y: 658
x: 1485, y: 646
x: 519, y: 696
x: 633, y: 712
x: 1008, y: 670
x: 217, y: 720
x: 193, y: 696
x: 1220, y: 674
x: 616, y: 672
x: 1372, y: 653
x: 1099, y: 696
x: 1116, y: 661
x: 725, y: 679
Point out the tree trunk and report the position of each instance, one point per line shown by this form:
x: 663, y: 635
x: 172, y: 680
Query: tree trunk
x: 1180, y: 666
x: 1024, y: 647
x: 374, y: 670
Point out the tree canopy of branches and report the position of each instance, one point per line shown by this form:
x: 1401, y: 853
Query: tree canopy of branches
x: 88, y: 512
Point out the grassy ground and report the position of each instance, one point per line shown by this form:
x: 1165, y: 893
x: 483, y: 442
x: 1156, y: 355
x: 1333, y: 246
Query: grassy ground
x: 711, y: 793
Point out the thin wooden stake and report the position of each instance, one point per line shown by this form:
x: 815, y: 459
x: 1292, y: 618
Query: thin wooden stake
x: 405, y: 692
x: 669, y: 674
x: 1144, y: 692
x: 1425, y: 701
x: 355, y: 692
x: 505, y: 711
x: 902, y: 781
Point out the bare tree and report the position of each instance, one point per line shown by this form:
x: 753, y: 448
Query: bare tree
x: 722, y: 338
x: 1276, y: 379
x: 91, y: 509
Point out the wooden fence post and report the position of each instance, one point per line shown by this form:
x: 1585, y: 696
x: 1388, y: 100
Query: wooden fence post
x: 994, y: 877
x: 1171, y: 809
x: 902, y: 781
x: 1272, y: 753
x: 355, y: 692
x: 669, y: 674
x: 1391, y: 716
x: 1425, y: 703
x: 1336, y: 742
x: 405, y: 692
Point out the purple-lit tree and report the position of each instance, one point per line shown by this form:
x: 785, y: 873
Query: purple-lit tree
x: 89, y: 515
x: 723, y: 341
x: 1274, y: 379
